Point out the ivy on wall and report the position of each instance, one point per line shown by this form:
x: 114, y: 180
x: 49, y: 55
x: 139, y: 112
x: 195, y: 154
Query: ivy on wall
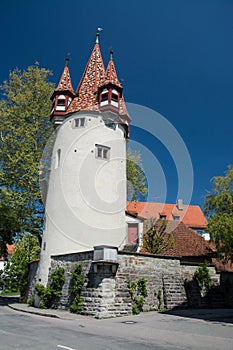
x: 76, y: 290
x: 138, y: 292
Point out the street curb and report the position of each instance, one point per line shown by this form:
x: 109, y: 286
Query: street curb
x: 40, y: 313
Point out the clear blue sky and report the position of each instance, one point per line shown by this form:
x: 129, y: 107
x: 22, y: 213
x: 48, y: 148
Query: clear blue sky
x: 173, y: 56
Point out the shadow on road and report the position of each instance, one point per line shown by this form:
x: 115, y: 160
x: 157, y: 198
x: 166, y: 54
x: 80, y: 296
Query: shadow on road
x: 213, y: 315
x: 5, y: 300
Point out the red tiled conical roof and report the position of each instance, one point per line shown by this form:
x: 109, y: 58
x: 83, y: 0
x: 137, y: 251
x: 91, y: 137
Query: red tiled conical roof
x: 65, y: 80
x: 111, y: 74
x: 93, y: 77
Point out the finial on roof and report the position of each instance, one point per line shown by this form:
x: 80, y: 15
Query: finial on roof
x: 67, y: 59
x: 97, y: 38
x: 111, y: 54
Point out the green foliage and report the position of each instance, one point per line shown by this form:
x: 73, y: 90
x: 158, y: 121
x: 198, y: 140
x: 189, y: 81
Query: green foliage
x: 219, y: 210
x: 203, y: 276
x: 137, y: 184
x: 156, y: 240
x: 27, y: 248
x: 48, y: 295
x: 141, y: 285
x: 135, y: 310
x: 138, y: 292
x: 76, y: 290
x: 45, y: 295
x: 24, y: 130
x: 31, y: 301
x: 57, y: 281
x: 30, y: 244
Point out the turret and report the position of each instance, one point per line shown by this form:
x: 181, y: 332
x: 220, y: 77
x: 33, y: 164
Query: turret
x: 110, y: 93
x: 62, y: 97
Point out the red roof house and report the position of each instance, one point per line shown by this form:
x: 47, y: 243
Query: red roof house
x: 190, y: 215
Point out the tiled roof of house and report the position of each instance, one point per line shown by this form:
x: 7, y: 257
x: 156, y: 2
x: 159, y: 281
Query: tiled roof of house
x: 65, y: 81
x: 187, y: 242
x: 191, y: 215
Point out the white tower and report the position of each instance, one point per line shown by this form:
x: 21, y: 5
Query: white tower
x: 85, y: 204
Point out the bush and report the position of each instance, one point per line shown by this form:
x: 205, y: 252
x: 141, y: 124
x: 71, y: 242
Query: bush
x: 76, y: 290
x: 202, y: 274
x: 49, y: 294
x: 138, y: 292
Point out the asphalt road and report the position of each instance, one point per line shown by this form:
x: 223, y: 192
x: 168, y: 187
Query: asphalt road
x: 146, y: 331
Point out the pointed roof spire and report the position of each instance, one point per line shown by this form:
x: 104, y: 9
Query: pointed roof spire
x: 92, y: 78
x: 111, y: 74
x: 65, y: 80
x: 111, y: 54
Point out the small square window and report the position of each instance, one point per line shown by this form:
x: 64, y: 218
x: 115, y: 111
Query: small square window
x: 102, y: 152
x: 79, y: 122
x: 61, y: 102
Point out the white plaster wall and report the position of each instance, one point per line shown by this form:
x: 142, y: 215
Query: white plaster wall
x: 86, y: 197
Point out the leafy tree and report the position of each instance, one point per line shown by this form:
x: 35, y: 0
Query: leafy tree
x: 136, y: 179
x: 24, y: 130
x: 219, y: 210
x: 27, y: 249
x: 156, y: 240
x: 30, y: 244
x: 203, y: 276
x: 9, y: 224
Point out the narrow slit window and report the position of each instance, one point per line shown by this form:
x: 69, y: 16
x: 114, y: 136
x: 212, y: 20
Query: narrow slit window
x: 58, y: 158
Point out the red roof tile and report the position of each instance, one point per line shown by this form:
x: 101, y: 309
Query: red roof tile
x: 93, y: 77
x: 111, y: 75
x: 187, y: 242
x: 65, y: 81
x: 191, y: 215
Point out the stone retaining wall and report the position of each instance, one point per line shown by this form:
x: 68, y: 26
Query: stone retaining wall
x: 106, y: 294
